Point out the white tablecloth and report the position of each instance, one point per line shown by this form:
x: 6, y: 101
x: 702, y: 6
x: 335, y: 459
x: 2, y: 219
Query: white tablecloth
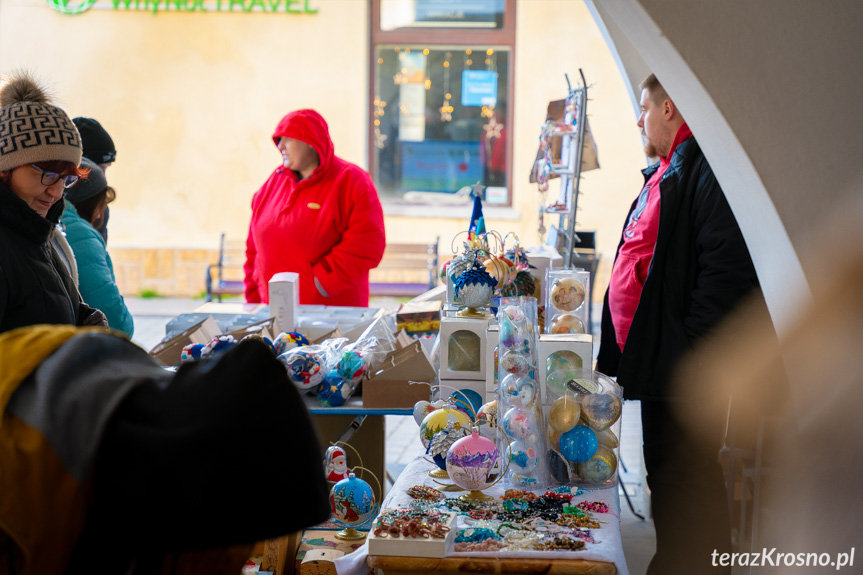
x: 607, y: 546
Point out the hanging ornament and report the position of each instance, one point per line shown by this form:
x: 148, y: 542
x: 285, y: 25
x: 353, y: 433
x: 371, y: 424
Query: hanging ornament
x: 352, y: 502
x: 447, y: 109
x: 437, y: 421
x: 519, y: 284
x: 442, y: 441
x: 470, y: 462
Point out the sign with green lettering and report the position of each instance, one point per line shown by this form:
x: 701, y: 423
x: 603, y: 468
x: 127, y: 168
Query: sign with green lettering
x: 154, y: 6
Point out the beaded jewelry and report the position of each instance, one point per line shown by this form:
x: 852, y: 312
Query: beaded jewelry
x: 475, y: 534
x: 487, y: 545
x: 425, y: 492
x: 516, y: 504
x: 594, y: 506
x: 561, y: 543
x: 519, y: 494
x: 577, y: 511
x: 521, y: 540
x: 572, y: 521
x: 414, y: 528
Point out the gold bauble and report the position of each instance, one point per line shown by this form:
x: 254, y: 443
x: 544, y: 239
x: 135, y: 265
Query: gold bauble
x: 563, y: 413
x: 554, y: 439
x: 600, y: 410
x: 567, y: 323
x: 607, y: 438
x: 599, y: 468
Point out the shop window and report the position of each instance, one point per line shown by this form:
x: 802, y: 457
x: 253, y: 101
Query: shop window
x: 440, y: 112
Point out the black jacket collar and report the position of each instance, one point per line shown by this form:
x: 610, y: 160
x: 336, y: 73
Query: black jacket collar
x: 18, y: 216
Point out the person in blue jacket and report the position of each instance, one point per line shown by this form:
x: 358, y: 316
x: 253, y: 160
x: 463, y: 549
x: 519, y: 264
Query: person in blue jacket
x: 85, y: 206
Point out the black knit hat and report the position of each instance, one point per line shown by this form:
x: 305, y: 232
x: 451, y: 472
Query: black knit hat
x: 87, y: 187
x: 98, y: 145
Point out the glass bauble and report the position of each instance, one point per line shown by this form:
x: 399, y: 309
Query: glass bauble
x: 578, y: 444
x: 352, y: 501
x: 470, y: 461
x: 437, y: 420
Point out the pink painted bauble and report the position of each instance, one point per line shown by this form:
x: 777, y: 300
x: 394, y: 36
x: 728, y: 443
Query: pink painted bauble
x: 470, y: 460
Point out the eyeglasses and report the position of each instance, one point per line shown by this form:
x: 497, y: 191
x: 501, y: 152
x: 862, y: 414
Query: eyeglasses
x: 51, y: 178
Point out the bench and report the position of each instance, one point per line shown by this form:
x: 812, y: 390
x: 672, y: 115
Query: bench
x: 225, y: 277
x: 406, y: 270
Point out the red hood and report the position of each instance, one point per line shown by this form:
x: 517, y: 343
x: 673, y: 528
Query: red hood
x: 310, y: 127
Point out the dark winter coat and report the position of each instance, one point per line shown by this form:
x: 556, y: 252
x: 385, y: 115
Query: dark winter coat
x: 35, y: 285
x: 112, y: 459
x: 701, y: 269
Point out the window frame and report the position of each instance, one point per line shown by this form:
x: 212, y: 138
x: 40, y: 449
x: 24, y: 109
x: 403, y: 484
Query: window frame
x: 503, y: 37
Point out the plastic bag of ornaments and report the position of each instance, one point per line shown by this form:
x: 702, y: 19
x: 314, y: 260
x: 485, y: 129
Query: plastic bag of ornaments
x: 566, y: 301
x: 354, y: 361
x: 308, y: 365
x: 519, y: 403
x: 583, y: 409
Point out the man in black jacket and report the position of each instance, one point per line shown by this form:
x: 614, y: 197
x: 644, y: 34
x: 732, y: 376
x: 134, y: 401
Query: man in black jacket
x: 681, y: 266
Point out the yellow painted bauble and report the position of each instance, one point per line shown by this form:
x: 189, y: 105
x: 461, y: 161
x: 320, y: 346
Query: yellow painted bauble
x: 437, y: 420
x: 563, y: 413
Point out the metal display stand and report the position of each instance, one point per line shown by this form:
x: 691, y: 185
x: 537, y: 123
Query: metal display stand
x: 570, y: 166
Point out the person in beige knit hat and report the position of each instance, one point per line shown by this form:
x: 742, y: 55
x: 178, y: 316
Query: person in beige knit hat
x: 40, y: 151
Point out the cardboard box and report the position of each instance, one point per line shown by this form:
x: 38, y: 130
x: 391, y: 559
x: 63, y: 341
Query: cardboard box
x: 403, y: 379
x: 168, y: 351
x: 285, y: 300
x: 263, y: 328
x: 419, y: 317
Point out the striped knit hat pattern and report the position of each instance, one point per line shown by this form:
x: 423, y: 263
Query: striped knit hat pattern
x: 32, y: 128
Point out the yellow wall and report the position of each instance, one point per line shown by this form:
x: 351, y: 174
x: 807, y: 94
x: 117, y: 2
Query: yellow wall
x: 192, y: 98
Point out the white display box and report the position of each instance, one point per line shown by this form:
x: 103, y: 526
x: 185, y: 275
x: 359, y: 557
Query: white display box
x: 581, y: 344
x: 463, y: 347
x: 492, y: 341
x: 542, y: 258
x: 412, y: 547
x: 285, y: 300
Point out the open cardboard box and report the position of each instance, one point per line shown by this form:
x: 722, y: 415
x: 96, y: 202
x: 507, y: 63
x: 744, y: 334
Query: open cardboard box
x: 168, y: 351
x: 403, y: 379
x: 264, y: 328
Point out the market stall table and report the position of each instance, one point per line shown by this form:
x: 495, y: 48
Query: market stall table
x: 602, y: 557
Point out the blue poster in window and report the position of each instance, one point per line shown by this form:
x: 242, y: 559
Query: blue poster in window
x: 478, y: 88
x: 431, y: 166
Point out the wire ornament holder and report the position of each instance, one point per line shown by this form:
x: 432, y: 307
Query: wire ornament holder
x: 442, y: 474
x: 351, y: 533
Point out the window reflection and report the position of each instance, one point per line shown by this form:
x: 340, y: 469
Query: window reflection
x: 439, y: 122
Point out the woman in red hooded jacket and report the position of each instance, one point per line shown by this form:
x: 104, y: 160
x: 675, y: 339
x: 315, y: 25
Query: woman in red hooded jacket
x: 316, y: 215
